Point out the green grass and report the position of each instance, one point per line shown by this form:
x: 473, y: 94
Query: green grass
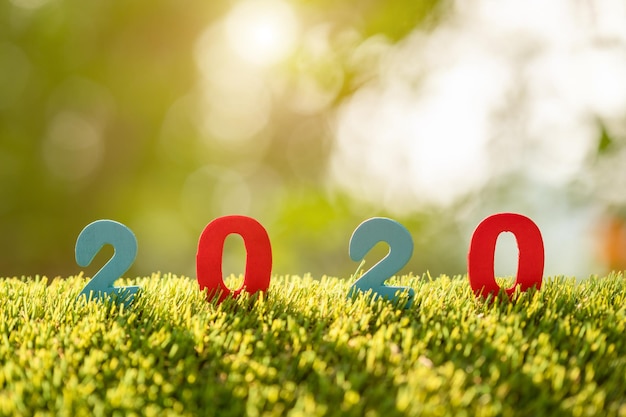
x: 303, y: 349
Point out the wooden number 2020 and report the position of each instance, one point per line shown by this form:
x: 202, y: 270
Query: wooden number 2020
x: 211, y: 248
x: 480, y: 262
x: 364, y: 238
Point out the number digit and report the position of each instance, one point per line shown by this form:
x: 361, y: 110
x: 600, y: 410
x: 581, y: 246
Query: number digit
x: 90, y: 241
x: 480, y: 263
x: 211, y: 248
x: 364, y: 238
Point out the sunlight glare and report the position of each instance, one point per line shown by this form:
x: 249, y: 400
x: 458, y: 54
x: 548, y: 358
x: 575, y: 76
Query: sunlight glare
x: 262, y: 32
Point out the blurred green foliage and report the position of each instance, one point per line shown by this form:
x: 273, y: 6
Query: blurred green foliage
x: 103, y: 112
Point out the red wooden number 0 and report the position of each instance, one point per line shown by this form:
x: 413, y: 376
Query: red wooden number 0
x: 211, y: 249
x: 480, y: 262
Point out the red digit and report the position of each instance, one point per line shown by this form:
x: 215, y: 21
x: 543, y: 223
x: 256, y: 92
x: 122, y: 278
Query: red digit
x: 480, y: 259
x: 211, y: 249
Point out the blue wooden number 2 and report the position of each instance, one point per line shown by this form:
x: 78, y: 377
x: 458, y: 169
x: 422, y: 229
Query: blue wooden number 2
x: 364, y: 238
x: 90, y: 241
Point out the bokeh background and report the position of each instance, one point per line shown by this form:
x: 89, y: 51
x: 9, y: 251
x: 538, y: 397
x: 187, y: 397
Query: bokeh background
x: 312, y: 116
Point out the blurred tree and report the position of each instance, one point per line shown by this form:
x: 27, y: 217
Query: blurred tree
x: 106, y: 112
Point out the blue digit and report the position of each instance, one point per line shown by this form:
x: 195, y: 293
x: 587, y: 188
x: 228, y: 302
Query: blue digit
x: 90, y: 241
x: 364, y: 238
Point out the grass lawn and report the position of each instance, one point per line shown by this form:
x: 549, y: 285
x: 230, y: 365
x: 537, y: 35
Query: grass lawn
x: 303, y: 349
